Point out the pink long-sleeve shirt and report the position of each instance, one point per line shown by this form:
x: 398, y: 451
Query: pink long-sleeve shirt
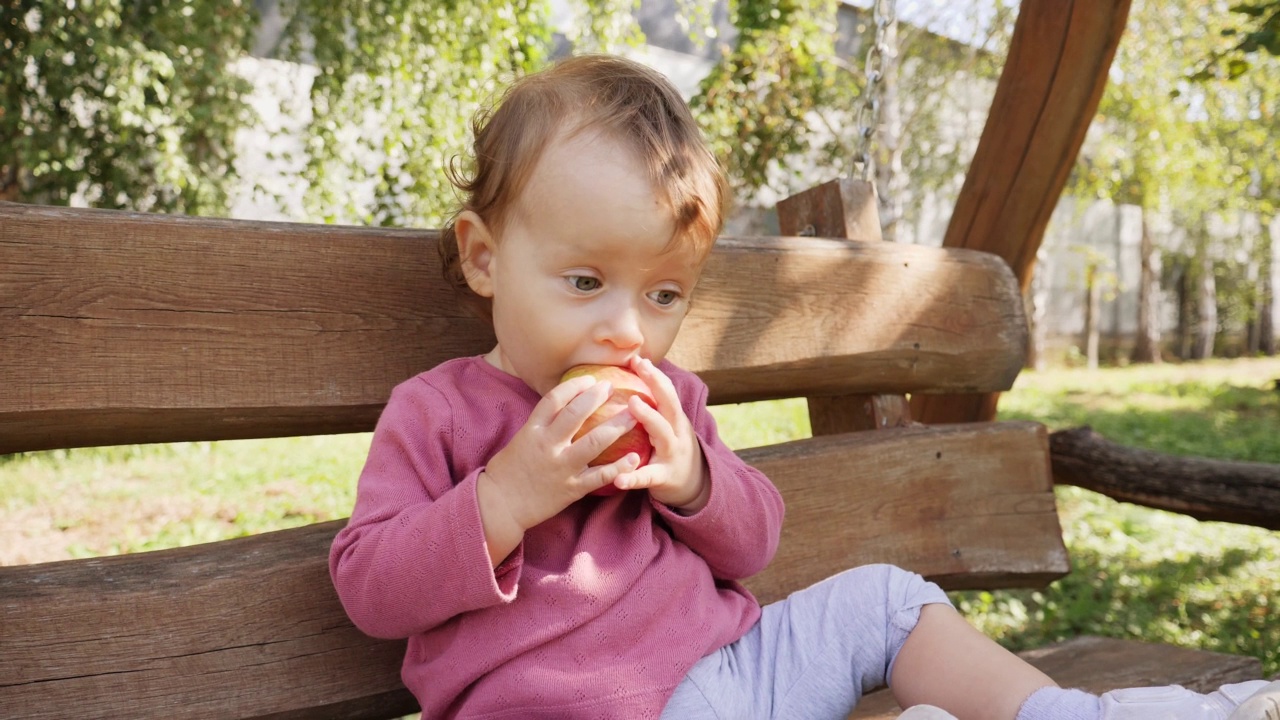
x: 598, y: 613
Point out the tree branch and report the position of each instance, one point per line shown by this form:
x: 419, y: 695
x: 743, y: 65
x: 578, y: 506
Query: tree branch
x: 1231, y: 491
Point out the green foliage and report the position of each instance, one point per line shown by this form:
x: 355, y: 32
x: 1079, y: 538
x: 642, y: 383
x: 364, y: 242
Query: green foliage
x: 780, y: 106
x: 134, y: 105
x: 1258, y: 29
x: 399, y: 83
x: 1198, y: 154
x: 755, y: 105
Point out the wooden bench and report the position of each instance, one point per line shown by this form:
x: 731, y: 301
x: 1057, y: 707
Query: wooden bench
x: 130, y: 328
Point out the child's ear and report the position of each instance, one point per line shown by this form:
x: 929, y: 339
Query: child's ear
x: 475, y: 250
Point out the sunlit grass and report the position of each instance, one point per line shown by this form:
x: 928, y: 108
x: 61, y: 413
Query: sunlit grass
x: 1142, y: 573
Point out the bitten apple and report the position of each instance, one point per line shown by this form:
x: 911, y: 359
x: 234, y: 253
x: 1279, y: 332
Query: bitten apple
x: 625, y: 385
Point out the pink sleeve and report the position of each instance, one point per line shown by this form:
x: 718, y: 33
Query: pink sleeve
x: 737, y: 532
x: 413, y: 554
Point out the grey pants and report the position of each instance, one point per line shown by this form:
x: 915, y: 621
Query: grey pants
x: 813, y: 655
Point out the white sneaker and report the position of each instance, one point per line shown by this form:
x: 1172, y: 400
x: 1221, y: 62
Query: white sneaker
x: 925, y: 712
x: 1174, y: 702
x: 1263, y: 704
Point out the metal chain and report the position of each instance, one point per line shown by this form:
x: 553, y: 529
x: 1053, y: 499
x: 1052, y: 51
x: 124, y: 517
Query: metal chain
x: 883, y: 14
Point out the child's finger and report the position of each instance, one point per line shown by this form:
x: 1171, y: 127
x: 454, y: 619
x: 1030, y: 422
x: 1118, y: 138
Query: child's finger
x: 587, y: 447
x: 599, y: 476
x: 636, y: 479
x: 661, y: 434
x: 561, y: 395
x: 569, y: 420
x: 664, y: 391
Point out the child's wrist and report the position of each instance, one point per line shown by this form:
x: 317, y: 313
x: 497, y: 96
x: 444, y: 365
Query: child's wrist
x: 699, y: 500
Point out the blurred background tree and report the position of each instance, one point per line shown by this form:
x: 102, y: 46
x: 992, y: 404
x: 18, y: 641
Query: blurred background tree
x: 397, y: 83
x: 1255, y: 27
x: 124, y: 104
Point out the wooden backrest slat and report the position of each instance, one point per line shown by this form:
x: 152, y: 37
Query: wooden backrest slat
x: 251, y: 627
x: 125, y: 327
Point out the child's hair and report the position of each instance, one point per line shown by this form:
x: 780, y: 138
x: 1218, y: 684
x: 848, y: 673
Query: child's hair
x: 626, y: 101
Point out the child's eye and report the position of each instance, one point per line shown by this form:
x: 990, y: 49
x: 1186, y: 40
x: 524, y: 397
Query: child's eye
x: 665, y: 297
x: 584, y: 283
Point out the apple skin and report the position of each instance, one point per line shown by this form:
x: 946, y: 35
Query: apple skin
x: 625, y: 385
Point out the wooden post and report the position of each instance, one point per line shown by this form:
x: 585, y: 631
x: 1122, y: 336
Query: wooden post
x: 844, y: 208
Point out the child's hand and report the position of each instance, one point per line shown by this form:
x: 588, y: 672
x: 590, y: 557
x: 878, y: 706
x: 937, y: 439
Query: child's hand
x: 676, y: 475
x: 543, y: 470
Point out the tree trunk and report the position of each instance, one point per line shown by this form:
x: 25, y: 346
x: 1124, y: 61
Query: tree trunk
x: 1253, y: 325
x: 1036, y: 303
x: 1092, y: 313
x: 1147, y: 345
x: 1185, y: 313
x: 10, y: 182
x: 1270, y: 298
x: 1206, y: 308
x: 889, y: 175
x: 1232, y: 491
x: 1253, y: 245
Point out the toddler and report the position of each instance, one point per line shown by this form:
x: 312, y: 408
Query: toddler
x: 477, y: 533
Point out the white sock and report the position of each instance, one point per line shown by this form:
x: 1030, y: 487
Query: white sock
x: 1055, y: 703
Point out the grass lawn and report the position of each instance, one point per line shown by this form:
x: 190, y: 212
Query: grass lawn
x: 1137, y: 573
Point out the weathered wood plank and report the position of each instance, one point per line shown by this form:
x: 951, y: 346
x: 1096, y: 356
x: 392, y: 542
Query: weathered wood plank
x: 123, y: 327
x: 1098, y: 664
x: 1047, y: 96
x: 243, y: 628
x: 252, y: 626
x: 967, y: 506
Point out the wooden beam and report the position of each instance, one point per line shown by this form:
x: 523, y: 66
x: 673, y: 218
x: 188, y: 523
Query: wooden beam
x: 844, y: 208
x: 126, y: 327
x: 251, y: 626
x: 1047, y: 96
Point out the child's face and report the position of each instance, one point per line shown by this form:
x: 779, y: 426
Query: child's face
x: 581, y: 273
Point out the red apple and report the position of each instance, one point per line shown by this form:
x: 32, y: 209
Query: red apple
x: 625, y: 385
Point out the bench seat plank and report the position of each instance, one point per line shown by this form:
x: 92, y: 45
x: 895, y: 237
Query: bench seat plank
x: 126, y: 327
x: 243, y: 628
x: 1098, y: 664
x: 246, y: 626
x: 967, y: 506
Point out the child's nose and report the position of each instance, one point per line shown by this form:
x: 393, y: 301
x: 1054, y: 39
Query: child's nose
x: 622, y: 328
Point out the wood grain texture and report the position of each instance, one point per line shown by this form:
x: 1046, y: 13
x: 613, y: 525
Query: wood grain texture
x: 1097, y: 665
x: 966, y: 506
x: 252, y: 626
x: 844, y: 208
x: 1046, y: 98
x: 244, y: 628
x: 124, y: 327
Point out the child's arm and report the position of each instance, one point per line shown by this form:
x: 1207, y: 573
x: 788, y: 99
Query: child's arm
x: 413, y: 554
x: 419, y: 549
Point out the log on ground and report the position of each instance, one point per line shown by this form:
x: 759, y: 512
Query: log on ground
x: 1204, y: 488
